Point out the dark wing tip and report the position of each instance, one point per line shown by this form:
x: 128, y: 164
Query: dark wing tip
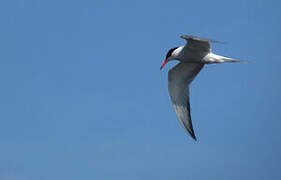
x: 187, y: 36
x: 192, y: 134
x: 196, y: 38
x: 189, y: 127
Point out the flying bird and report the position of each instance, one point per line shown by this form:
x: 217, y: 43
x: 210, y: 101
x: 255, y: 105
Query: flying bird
x: 193, y: 56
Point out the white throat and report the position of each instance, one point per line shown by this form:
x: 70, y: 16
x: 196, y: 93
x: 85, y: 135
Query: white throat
x: 177, y: 54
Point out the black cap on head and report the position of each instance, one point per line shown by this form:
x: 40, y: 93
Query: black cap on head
x: 169, y: 53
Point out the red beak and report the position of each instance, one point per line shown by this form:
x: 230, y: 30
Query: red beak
x: 165, y: 62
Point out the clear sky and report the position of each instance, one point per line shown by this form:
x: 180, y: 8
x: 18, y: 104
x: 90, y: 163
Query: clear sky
x: 82, y: 96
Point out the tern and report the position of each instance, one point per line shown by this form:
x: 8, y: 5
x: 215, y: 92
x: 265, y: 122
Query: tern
x: 193, y: 56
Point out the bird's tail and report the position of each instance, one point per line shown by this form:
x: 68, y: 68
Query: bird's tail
x: 214, y: 58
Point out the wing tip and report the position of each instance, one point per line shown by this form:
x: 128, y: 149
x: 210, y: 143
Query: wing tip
x: 186, y: 37
x: 194, y: 137
x: 192, y: 134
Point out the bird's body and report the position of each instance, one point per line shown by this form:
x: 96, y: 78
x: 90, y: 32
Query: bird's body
x: 192, y: 58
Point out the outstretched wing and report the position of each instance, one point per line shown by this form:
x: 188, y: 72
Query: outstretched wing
x: 197, y: 43
x: 179, y: 79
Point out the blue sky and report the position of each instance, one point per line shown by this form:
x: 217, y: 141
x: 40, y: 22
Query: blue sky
x: 82, y: 96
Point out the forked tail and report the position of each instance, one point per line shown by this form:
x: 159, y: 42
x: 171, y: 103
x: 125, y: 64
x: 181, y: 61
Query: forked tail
x: 214, y: 58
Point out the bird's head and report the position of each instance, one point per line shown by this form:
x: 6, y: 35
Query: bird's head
x: 169, y: 56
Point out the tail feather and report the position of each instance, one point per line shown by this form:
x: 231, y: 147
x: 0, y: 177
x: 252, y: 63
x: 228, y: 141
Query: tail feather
x: 213, y: 58
x: 225, y: 59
